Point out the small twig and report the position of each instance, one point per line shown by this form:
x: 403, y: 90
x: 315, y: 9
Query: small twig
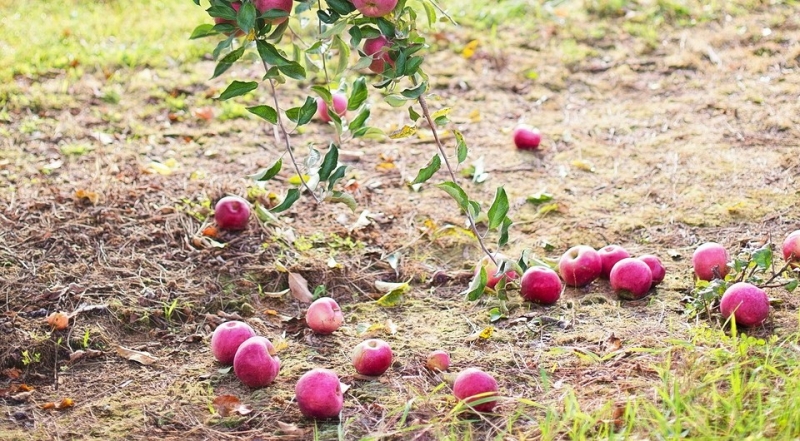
x: 775, y: 276
x: 426, y: 112
x: 286, y: 136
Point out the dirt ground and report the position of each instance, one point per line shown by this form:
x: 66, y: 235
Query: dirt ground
x: 657, y: 148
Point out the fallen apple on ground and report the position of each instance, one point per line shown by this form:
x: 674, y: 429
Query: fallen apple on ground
x: 438, y: 360
x: 324, y: 316
x: 227, y: 338
x: 580, y: 265
x: 319, y: 394
x: 791, y: 248
x: 527, y: 137
x: 631, y: 278
x: 254, y: 363
x: 473, y: 381
x: 656, y: 267
x: 540, y: 285
x: 709, y: 258
x: 609, y: 255
x: 372, y: 357
x: 232, y: 213
x: 748, y: 304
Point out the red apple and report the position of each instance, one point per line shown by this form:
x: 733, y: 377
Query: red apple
x: 656, y: 267
x: 372, y: 357
x: 265, y: 5
x: 438, y: 360
x: 580, y: 265
x: 378, y: 49
x: 491, y: 270
x: 232, y: 213
x: 339, y: 106
x: 375, y: 8
x: 527, y: 137
x: 609, y: 255
x: 791, y: 248
x: 631, y: 278
x: 254, y: 363
x: 709, y: 257
x: 319, y: 394
x: 471, y: 382
x: 227, y: 338
x: 324, y: 316
x: 748, y: 304
x: 540, y: 285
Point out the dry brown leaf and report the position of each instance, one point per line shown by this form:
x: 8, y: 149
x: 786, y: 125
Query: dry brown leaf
x: 298, y: 286
x: 66, y: 403
x: 88, y: 195
x: 141, y: 357
x: 12, y: 373
x: 229, y: 404
x: 58, y: 321
x: 81, y: 354
x: 291, y: 429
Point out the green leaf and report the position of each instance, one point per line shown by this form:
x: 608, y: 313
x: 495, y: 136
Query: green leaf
x: 430, y: 13
x: 344, y: 55
x: 343, y: 198
x: 238, y: 88
x: 791, y: 286
x: 270, y: 55
x: 425, y: 173
x: 763, y: 258
x: 293, y: 70
x: 495, y: 314
x: 358, y: 95
x: 477, y: 285
x: 264, y: 112
x: 456, y: 192
x: 395, y: 100
x: 393, y: 298
x: 204, y: 30
x: 329, y: 163
x: 539, y: 198
x: 358, y: 122
x: 268, y: 173
x: 291, y: 197
x: 461, y: 147
x: 336, y: 176
x: 503, y: 240
x: 499, y: 209
x: 302, y: 115
x: 413, y: 114
x: 246, y: 18
x: 227, y: 61
x: 415, y: 92
x: 323, y: 92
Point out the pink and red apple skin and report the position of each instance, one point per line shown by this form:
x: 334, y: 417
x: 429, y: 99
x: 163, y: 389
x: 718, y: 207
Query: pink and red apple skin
x: 527, y: 137
x: 227, y: 338
x: 372, y: 357
x: 491, y: 270
x: 611, y: 254
x: 748, y: 304
x: 631, y: 279
x: 378, y: 49
x: 438, y: 360
x: 319, y: 394
x: 791, y: 249
x: 339, y: 107
x: 540, y: 285
x: 656, y: 267
x: 580, y: 266
x: 265, y: 5
x: 375, y: 8
x: 324, y: 316
x: 471, y: 382
x: 708, y: 257
x: 254, y: 364
x: 232, y: 213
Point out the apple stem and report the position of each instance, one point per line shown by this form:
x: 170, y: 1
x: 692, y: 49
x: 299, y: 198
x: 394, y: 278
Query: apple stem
x: 427, y: 114
x: 286, y: 136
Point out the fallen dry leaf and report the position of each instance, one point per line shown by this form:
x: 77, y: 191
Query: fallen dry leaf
x: 88, y: 195
x: 144, y: 358
x: 58, y: 321
x: 81, y: 354
x: 298, y: 286
x: 229, y: 404
x: 12, y: 373
x: 66, y: 403
x: 291, y: 429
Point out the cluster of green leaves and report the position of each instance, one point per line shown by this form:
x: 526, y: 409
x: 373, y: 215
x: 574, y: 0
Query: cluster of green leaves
x: 755, y: 266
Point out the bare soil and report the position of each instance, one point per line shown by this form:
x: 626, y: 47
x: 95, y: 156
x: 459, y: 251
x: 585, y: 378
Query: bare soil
x: 654, y: 148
